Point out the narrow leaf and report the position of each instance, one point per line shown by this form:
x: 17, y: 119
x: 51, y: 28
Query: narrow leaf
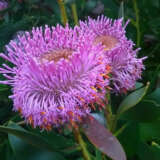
x: 98, y: 155
x: 154, y: 97
x: 144, y: 152
x: 103, y: 139
x: 138, y: 85
x: 121, y: 10
x: 150, y: 131
x: 24, y: 151
x: 132, y: 99
x: 28, y: 137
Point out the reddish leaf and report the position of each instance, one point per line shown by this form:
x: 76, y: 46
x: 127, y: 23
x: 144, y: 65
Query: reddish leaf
x: 103, y: 139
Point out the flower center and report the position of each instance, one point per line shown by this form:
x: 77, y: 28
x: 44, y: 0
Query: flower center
x: 108, y: 41
x: 56, y: 55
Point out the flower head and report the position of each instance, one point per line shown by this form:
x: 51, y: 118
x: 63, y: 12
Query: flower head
x: 126, y: 68
x: 57, y: 75
x: 3, y: 5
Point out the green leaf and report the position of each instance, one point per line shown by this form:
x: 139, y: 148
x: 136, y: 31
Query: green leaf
x: 132, y: 99
x: 129, y: 140
x: 98, y: 155
x: 149, y: 131
x: 155, y: 97
x: 58, y: 141
x: 4, y: 112
x: 145, y: 111
x: 3, y: 87
x: 24, y: 151
x: 8, y: 29
x: 152, y: 77
x: 148, y: 152
x: 138, y: 85
x: 28, y: 137
x: 6, y: 152
x: 121, y: 10
x: 100, y: 137
x: 156, y: 150
x: 144, y: 152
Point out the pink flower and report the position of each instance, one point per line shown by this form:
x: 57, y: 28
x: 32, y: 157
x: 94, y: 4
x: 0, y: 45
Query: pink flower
x: 57, y: 75
x: 126, y: 67
x: 3, y: 5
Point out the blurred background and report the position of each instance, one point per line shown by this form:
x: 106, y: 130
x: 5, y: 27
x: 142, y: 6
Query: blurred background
x: 141, y: 138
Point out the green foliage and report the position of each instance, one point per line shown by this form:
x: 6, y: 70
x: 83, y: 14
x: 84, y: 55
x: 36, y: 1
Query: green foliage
x: 29, y: 137
x: 137, y: 125
x: 130, y: 138
x: 132, y: 99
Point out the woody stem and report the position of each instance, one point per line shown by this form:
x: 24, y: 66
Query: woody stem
x: 82, y: 144
x: 63, y: 12
x: 110, y: 117
x: 74, y: 12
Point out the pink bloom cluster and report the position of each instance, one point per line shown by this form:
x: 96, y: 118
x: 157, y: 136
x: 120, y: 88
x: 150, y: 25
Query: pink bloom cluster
x: 57, y: 77
x: 59, y: 73
x: 3, y: 5
x: 126, y: 68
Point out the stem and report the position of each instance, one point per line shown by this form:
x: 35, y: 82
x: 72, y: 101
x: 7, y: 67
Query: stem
x: 108, y: 112
x: 121, y: 130
x: 71, y: 149
x: 155, y: 144
x: 74, y: 12
x: 82, y: 144
x: 114, y: 123
x: 137, y: 22
x: 110, y: 117
x: 21, y: 123
x: 63, y: 12
x: 133, y: 22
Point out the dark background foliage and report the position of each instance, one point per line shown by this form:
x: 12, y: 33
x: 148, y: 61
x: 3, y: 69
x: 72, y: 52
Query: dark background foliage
x: 141, y: 135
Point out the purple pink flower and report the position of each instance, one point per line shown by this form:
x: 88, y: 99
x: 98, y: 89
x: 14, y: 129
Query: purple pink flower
x: 58, y: 75
x: 126, y: 67
x: 3, y: 5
